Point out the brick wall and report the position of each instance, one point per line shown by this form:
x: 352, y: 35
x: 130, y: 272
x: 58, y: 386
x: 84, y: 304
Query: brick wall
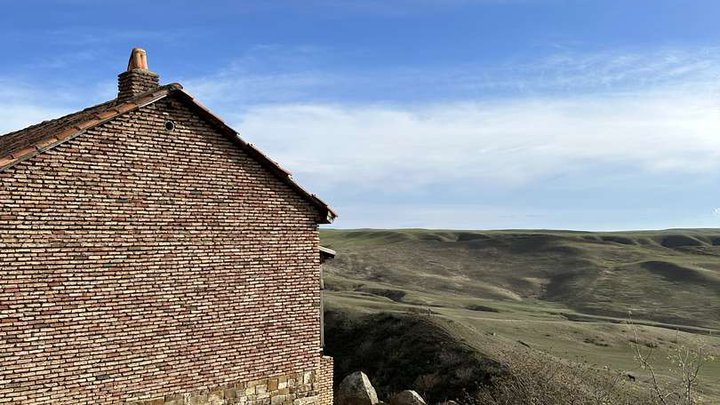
x: 138, y: 263
x: 325, y: 381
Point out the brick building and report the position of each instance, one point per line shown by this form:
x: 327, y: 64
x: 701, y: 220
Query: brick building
x: 148, y: 255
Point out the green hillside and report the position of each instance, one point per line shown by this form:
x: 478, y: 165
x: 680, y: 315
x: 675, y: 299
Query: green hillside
x: 563, y: 293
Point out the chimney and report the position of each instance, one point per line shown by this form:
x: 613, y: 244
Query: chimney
x: 138, y: 78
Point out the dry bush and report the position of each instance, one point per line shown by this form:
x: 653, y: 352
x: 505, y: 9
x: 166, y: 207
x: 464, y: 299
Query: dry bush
x: 686, y: 363
x: 536, y: 378
x: 541, y: 379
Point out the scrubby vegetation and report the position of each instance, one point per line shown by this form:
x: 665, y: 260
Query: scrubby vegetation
x: 406, y: 352
x: 536, y: 378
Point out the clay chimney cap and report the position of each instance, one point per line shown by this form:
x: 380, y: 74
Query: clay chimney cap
x: 138, y: 60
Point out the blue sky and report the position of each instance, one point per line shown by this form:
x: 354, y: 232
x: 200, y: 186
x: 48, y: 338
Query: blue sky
x: 474, y: 114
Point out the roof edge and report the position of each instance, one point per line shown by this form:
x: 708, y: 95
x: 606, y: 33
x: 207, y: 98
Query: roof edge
x: 327, y: 252
x: 53, y: 140
x: 147, y: 98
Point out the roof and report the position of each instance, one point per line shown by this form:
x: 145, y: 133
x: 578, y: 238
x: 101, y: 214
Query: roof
x: 21, y: 145
x: 14, y: 142
x: 327, y: 252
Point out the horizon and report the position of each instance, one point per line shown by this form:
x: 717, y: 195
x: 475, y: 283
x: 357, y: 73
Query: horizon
x: 333, y: 228
x: 468, y: 114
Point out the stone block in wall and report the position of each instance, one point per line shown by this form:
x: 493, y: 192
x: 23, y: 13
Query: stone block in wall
x: 200, y: 398
x: 175, y: 399
x: 305, y: 390
x: 216, y: 397
x: 272, y: 384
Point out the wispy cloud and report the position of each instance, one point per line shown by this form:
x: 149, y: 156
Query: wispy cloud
x: 510, y: 142
x: 271, y: 74
x: 267, y: 73
x: 23, y: 104
x: 17, y: 116
x: 618, y: 70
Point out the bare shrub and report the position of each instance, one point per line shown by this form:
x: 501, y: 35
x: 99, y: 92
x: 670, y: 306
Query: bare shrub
x: 536, y: 378
x: 426, y: 383
x: 686, y: 362
x: 541, y: 379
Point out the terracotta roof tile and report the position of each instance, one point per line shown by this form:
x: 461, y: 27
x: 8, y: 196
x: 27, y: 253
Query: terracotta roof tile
x: 66, y: 133
x: 6, y: 161
x: 88, y: 124
x: 14, y: 141
x: 105, y: 115
x: 46, y: 143
x: 125, y: 107
x: 16, y: 146
x: 18, y: 154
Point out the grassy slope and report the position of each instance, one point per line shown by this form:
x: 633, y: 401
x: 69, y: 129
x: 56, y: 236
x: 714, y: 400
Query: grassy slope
x: 560, y: 292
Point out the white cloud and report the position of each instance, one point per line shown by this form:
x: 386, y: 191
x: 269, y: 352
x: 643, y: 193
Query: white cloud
x: 509, y: 142
x: 22, y: 105
x: 14, y: 117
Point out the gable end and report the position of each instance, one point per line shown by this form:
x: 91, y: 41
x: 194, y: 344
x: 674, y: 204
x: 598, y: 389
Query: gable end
x: 45, y: 136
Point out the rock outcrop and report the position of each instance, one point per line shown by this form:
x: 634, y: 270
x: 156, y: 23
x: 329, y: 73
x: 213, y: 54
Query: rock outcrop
x: 407, y: 397
x: 356, y: 389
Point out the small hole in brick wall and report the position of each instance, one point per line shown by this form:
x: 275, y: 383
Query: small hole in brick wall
x: 169, y: 125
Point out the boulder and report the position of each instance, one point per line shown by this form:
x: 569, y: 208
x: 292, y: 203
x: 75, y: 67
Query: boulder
x: 450, y: 402
x: 356, y: 389
x: 407, y: 397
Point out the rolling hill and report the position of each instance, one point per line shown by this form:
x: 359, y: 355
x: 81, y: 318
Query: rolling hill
x: 564, y: 293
